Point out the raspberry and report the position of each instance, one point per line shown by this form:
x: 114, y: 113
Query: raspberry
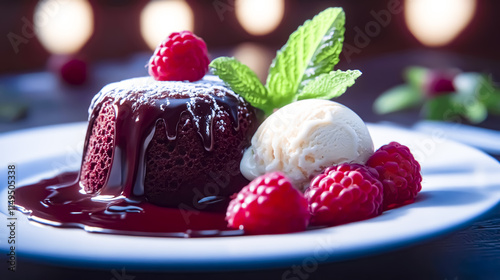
x: 399, y: 173
x: 344, y: 193
x: 71, y: 69
x: 439, y: 82
x: 268, y: 205
x: 181, y: 57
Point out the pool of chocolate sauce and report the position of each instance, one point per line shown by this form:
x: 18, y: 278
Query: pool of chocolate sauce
x: 60, y: 202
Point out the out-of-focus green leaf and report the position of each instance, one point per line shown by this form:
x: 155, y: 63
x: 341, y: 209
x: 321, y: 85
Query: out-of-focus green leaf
x: 476, y: 95
x: 488, y: 94
x: 442, y: 108
x: 415, y: 76
x: 492, y: 103
x: 397, y: 98
x: 12, y: 111
x: 454, y: 108
x: 475, y: 111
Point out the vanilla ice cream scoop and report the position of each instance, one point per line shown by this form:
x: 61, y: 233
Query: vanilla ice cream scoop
x: 303, y: 138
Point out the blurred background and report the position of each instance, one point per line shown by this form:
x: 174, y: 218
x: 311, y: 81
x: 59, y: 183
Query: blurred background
x: 56, y: 54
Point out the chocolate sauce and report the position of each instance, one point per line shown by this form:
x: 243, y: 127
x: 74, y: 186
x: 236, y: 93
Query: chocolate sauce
x: 59, y: 202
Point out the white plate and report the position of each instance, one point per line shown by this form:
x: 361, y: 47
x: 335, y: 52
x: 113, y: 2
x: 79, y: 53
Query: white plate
x: 460, y: 184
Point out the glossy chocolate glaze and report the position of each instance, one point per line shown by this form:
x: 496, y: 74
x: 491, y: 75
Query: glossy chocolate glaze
x: 140, y: 103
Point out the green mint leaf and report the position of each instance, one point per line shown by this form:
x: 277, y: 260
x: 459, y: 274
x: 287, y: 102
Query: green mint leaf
x: 243, y: 81
x: 328, y: 86
x: 396, y: 99
x: 313, y: 49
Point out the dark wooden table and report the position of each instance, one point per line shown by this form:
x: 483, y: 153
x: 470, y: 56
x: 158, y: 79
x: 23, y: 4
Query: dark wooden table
x: 470, y: 253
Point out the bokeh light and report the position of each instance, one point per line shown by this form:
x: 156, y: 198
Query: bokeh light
x: 257, y: 57
x: 438, y: 22
x: 259, y: 17
x: 160, y: 18
x: 63, y: 26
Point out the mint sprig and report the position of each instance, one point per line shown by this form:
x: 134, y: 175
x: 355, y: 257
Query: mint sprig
x: 313, y: 49
x: 302, y: 68
x: 242, y: 80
